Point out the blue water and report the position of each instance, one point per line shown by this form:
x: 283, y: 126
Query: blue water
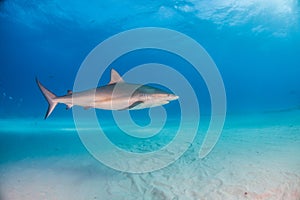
x: 255, y: 46
x: 257, y: 56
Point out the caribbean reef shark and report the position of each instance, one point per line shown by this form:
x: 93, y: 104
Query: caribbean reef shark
x: 116, y: 95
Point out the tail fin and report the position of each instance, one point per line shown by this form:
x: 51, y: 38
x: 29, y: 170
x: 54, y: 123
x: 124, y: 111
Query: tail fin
x: 49, y: 96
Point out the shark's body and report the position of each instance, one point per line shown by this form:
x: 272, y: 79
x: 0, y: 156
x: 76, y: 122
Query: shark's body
x: 117, y: 95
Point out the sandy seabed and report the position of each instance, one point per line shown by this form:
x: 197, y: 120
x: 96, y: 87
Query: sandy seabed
x: 247, y: 163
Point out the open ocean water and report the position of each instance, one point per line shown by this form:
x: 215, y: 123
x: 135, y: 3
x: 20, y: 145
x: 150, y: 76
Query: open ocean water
x: 234, y: 132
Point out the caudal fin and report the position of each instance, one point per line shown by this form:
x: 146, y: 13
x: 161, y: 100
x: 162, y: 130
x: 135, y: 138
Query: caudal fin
x: 49, y: 96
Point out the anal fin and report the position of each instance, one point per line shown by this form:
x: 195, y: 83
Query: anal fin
x: 69, y: 106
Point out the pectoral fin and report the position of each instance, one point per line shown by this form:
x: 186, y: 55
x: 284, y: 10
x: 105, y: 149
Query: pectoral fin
x: 133, y: 105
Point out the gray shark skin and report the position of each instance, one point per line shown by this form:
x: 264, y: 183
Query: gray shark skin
x: 117, y: 95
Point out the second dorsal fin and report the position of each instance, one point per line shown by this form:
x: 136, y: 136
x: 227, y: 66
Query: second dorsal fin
x: 115, y: 77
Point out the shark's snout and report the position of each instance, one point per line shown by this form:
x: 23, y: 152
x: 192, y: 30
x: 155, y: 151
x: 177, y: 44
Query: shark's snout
x: 172, y: 97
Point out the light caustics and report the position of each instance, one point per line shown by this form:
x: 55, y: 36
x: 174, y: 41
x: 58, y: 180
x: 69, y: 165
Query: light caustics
x: 275, y: 16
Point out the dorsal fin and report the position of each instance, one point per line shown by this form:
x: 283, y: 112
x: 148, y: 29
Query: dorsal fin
x: 115, y: 77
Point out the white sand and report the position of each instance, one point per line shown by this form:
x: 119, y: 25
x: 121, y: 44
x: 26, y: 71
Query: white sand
x: 247, y: 163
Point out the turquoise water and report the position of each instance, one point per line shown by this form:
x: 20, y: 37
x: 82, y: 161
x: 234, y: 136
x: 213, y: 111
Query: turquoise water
x: 255, y: 47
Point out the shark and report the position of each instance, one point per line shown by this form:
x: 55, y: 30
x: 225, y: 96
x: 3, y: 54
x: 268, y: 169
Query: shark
x: 116, y: 95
